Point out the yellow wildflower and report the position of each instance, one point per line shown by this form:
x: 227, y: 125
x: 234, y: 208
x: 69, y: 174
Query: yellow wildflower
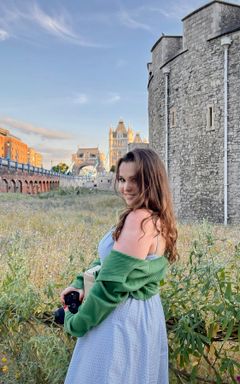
x: 4, y: 360
x: 5, y: 369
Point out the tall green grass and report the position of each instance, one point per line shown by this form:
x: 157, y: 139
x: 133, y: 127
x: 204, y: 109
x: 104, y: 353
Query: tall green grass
x: 45, y: 240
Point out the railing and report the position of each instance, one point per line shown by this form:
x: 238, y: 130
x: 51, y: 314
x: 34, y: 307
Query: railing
x: 11, y: 164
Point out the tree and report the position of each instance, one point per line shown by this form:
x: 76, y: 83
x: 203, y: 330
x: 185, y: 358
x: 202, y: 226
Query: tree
x: 60, y: 168
x: 113, y: 168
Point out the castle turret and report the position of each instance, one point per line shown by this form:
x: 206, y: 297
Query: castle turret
x: 137, y: 138
x: 194, y: 112
x: 209, y: 21
x: 130, y: 135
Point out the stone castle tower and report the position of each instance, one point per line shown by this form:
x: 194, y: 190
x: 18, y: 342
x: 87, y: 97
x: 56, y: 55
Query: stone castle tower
x: 119, y: 140
x: 194, y: 112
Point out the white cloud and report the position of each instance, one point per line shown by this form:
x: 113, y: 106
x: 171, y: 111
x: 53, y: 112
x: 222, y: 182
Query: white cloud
x: 173, y: 9
x: 112, y: 98
x: 54, y: 155
x: 80, y: 98
x: 161, y: 11
x: 107, y: 98
x: 127, y: 20
x: 32, y: 129
x: 56, y: 152
x: 57, y: 26
x: 4, y: 35
x: 21, y: 21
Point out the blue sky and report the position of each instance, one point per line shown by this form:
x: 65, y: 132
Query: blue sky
x: 72, y: 68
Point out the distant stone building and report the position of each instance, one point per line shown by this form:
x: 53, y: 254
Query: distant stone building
x: 87, y: 157
x: 138, y: 143
x: 194, y: 112
x: 13, y: 148
x: 119, y: 140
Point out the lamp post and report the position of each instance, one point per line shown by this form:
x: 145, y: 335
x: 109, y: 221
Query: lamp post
x: 225, y: 42
x: 8, y: 151
x: 28, y: 160
x: 166, y: 72
x: 34, y: 162
x: 16, y: 159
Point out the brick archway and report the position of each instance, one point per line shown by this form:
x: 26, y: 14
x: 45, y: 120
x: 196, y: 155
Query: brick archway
x: 22, y: 181
x: 35, y: 187
x: 3, y: 185
x: 25, y: 187
x: 12, y: 186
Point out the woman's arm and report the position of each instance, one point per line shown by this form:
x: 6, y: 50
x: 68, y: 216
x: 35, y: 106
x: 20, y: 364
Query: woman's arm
x: 100, y: 302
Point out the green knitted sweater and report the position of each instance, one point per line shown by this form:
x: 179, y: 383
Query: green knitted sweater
x: 121, y: 276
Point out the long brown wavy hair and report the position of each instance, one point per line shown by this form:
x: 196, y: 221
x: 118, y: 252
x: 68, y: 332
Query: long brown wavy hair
x: 154, y: 195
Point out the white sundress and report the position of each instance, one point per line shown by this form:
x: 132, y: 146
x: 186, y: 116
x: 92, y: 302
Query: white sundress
x: 128, y: 347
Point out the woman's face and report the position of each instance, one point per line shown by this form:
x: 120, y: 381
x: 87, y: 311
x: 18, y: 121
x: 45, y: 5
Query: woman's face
x: 127, y: 184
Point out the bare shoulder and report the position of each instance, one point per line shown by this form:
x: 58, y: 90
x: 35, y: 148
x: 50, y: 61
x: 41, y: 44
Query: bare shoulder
x: 134, y: 239
x: 138, y: 219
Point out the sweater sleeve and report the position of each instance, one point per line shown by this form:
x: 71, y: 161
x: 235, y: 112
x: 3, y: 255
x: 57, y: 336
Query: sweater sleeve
x: 78, y: 282
x: 105, y: 295
x: 102, y: 299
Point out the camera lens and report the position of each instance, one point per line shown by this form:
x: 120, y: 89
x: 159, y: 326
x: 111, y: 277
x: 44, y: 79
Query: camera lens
x: 59, y: 316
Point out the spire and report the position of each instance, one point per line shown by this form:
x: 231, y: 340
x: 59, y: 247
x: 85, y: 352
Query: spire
x: 121, y: 127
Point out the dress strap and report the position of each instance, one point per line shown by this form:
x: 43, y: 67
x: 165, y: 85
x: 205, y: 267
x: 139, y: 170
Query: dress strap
x: 157, y: 245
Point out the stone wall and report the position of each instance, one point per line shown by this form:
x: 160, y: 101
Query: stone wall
x: 196, y: 85
x: 102, y: 182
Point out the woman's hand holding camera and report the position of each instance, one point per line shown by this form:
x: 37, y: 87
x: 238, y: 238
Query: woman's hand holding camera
x: 68, y: 290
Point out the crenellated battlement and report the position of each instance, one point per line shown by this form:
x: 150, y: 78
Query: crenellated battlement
x: 166, y: 48
x: 212, y: 20
x: 205, y: 23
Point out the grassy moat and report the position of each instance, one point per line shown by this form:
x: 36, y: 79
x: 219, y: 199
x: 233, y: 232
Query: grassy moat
x: 46, y: 239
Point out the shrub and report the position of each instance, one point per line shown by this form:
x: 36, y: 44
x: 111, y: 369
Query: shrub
x: 202, y: 307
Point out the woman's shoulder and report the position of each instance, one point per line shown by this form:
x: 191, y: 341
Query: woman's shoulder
x: 139, y: 218
x: 140, y: 213
x: 137, y: 234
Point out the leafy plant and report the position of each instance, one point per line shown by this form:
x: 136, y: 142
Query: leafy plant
x: 202, y: 306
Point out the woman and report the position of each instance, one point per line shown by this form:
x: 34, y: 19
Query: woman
x: 121, y: 325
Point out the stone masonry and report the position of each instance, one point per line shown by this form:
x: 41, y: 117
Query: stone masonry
x: 195, y: 112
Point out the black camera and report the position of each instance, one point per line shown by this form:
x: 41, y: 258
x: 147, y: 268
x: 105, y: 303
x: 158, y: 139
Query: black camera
x: 73, y: 303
